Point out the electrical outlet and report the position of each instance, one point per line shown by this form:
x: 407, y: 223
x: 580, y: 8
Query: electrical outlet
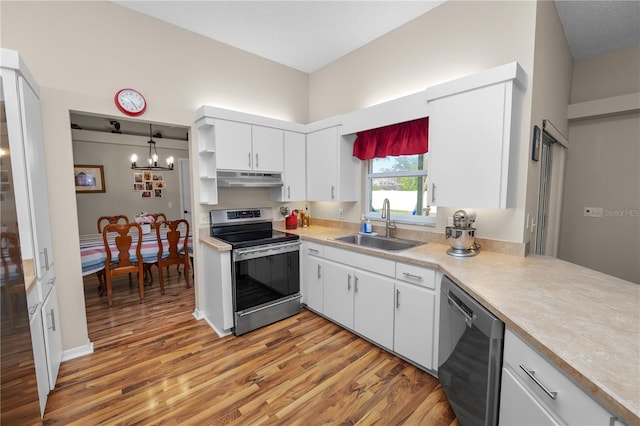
x: 170, y: 204
x: 204, y: 218
x: 341, y: 213
x: 593, y: 212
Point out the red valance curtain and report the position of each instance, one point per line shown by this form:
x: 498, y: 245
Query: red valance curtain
x: 406, y: 138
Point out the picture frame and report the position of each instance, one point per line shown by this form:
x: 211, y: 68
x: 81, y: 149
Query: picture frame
x: 89, y: 178
x: 535, y: 150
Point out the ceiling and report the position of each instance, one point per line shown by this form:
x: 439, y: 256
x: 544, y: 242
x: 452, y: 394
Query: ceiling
x: 307, y: 35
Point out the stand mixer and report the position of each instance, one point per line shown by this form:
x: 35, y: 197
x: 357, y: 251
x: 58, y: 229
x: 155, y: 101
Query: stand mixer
x: 462, y: 235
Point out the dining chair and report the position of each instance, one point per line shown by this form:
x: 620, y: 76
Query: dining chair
x: 127, y: 236
x: 102, y: 221
x: 177, y: 251
x: 12, y: 279
x: 159, y: 217
x: 111, y: 219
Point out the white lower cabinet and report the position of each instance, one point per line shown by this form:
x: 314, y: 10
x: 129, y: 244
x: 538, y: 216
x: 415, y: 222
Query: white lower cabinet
x: 373, y: 314
x: 361, y: 293
x: 52, y: 335
x: 338, y: 293
x: 535, y: 392
x: 39, y: 354
x: 414, y: 323
x: 313, y: 287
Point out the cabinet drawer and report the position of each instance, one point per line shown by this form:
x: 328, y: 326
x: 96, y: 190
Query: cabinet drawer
x: 421, y: 276
x: 571, y: 403
x: 314, y: 249
x: 373, y: 264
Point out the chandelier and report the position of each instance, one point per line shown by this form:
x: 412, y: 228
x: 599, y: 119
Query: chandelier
x: 152, y: 160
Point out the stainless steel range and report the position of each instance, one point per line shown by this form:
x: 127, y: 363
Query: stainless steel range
x: 265, y: 266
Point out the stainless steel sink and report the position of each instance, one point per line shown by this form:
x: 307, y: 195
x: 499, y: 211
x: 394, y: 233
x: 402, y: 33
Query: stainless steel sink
x: 378, y: 242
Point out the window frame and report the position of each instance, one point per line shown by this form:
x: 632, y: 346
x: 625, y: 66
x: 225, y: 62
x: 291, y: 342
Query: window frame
x: 399, y: 218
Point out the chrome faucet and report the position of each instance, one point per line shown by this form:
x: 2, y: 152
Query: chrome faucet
x: 386, y: 214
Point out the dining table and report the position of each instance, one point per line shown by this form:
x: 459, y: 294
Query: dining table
x: 93, y: 252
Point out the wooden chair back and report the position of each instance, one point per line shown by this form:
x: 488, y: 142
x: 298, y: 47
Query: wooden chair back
x: 159, y: 217
x: 128, y: 235
x: 102, y: 220
x: 177, y: 252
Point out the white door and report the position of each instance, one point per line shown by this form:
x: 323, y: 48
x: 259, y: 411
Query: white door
x: 338, y: 293
x: 315, y: 286
x: 322, y: 164
x: 185, y: 189
x: 373, y: 311
x: 414, y: 323
x: 52, y: 335
x: 233, y: 145
x: 295, y: 180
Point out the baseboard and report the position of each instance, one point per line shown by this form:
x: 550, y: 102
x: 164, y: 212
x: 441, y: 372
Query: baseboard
x: 77, y: 352
x: 197, y: 314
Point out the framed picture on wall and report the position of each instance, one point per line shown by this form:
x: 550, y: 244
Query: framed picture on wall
x: 89, y: 178
x: 146, y: 194
x: 137, y: 177
x: 157, y: 193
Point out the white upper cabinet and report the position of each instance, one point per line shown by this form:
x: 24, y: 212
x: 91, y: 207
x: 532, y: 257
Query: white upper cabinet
x: 333, y: 173
x: 474, y: 139
x: 295, y: 171
x: 243, y: 147
x: 267, y: 149
x: 233, y: 145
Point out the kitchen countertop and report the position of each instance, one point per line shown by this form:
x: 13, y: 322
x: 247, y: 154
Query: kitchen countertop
x: 586, y: 322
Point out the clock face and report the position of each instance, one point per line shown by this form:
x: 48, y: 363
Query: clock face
x: 130, y: 102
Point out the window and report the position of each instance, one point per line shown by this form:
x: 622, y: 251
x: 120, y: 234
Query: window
x: 403, y: 180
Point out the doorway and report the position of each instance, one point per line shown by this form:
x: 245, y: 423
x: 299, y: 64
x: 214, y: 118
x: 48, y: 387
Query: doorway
x: 109, y: 142
x: 553, y: 147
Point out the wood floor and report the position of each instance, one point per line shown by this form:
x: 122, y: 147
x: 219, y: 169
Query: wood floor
x: 153, y: 363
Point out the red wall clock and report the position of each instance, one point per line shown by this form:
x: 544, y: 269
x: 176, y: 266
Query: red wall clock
x: 130, y: 102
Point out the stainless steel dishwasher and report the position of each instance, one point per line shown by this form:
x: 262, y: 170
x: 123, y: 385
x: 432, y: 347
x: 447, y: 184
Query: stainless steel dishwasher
x: 470, y: 356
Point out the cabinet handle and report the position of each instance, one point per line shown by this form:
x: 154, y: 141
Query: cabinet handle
x: 397, y: 298
x: 531, y: 373
x: 312, y: 250
x: 333, y: 190
x: 319, y: 276
x: 51, y: 281
x: 433, y: 193
x: 415, y: 277
x: 249, y: 162
x: 349, y: 282
x: 45, y: 253
x: 355, y: 287
x: 257, y: 160
x: 288, y: 192
x: 53, y: 321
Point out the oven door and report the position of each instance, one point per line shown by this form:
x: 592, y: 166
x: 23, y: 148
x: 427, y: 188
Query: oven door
x: 266, y: 284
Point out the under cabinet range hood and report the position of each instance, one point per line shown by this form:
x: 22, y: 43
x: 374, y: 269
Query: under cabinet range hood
x: 249, y: 179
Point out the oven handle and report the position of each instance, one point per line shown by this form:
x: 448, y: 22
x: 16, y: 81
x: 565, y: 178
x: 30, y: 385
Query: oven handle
x: 266, y: 251
x: 252, y: 311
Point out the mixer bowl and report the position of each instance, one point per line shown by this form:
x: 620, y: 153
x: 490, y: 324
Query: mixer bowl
x: 460, y: 238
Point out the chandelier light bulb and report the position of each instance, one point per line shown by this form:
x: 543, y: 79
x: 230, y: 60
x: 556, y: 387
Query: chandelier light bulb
x: 134, y: 158
x: 170, y: 160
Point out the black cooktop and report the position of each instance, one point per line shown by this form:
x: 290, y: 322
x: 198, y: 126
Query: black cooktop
x: 251, y: 234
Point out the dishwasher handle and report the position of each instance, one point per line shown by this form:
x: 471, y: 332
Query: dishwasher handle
x: 467, y: 318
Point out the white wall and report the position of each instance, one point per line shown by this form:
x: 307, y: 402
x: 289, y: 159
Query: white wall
x: 455, y: 39
x: 551, y: 88
x: 603, y: 170
x: 81, y: 53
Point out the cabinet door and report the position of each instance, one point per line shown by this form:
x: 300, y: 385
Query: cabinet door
x: 322, y: 165
x: 315, y: 284
x: 467, y: 133
x: 295, y: 173
x: 39, y: 355
x: 268, y: 149
x: 338, y: 293
x: 36, y: 177
x: 233, y: 145
x: 52, y: 335
x: 414, y: 323
x: 373, y: 307
x: 518, y: 407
